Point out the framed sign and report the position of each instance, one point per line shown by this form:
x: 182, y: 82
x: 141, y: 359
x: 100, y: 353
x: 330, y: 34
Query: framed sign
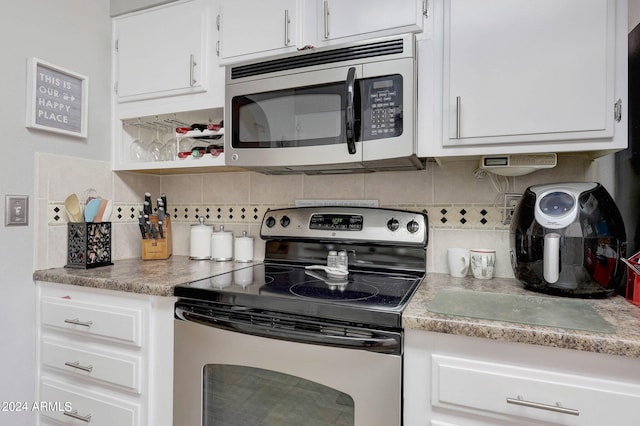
x: 56, y: 99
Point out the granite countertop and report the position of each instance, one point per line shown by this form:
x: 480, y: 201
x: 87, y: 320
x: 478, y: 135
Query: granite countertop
x: 159, y: 277
x: 623, y: 317
x: 152, y: 277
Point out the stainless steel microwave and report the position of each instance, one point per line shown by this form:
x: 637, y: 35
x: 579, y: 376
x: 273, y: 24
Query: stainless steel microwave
x: 349, y: 108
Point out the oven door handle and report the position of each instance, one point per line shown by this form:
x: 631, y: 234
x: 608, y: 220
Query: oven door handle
x: 389, y: 344
x: 350, y: 113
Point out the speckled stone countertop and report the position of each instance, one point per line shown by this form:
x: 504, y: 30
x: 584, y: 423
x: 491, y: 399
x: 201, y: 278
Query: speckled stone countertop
x: 152, y: 277
x: 623, y: 316
x: 159, y: 277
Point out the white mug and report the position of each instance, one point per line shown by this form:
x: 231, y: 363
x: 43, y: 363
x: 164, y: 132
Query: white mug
x: 458, y: 260
x: 482, y: 263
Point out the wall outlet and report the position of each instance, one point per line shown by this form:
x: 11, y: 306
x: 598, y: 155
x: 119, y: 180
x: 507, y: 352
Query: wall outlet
x: 511, y: 200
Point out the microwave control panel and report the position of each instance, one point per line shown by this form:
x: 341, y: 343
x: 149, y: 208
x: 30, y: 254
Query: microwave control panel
x: 381, y: 107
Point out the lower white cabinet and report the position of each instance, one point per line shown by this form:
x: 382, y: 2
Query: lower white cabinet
x: 78, y: 406
x: 104, y: 357
x: 458, y: 380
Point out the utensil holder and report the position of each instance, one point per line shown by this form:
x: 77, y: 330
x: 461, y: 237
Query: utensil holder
x: 633, y: 281
x: 158, y: 248
x: 88, y: 244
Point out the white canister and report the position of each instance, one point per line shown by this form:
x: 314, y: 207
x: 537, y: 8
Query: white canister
x: 200, y: 243
x: 243, y: 247
x: 222, y: 245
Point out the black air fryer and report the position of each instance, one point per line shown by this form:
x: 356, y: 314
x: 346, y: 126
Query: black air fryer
x: 567, y: 239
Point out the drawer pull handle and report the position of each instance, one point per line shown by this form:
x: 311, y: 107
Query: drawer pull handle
x: 76, y: 321
x: 555, y: 408
x: 87, y: 368
x: 74, y: 415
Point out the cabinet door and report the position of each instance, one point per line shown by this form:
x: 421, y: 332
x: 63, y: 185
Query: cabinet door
x: 161, y: 52
x: 341, y: 19
x: 252, y: 28
x: 528, y: 70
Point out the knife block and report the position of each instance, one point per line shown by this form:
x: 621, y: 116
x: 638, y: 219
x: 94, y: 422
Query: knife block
x: 160, y: 248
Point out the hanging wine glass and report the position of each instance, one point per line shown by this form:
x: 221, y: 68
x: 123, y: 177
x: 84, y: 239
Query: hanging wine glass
x: 137, y: 151
x: 155, y: 147
x: 170, y: 150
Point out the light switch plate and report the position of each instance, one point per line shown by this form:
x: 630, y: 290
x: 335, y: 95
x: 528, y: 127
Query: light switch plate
x: 16, y: 210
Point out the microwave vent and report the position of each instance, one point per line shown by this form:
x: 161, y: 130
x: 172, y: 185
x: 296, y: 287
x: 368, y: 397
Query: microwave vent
x: 321, y: 57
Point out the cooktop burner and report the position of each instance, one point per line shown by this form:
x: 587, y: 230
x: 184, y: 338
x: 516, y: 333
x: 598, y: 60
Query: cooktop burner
x: 294, y: 289
x: 386, y: 251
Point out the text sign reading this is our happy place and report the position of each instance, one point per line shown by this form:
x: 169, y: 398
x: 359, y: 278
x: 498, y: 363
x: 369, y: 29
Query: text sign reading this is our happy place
x: 58, y: 100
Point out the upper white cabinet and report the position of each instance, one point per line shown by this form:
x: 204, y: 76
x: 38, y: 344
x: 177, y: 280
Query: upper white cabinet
x: 532, y: 76
x: 162, y: 51
x: 340, y: 20
x: 165, y: 75
x: 251, y: 28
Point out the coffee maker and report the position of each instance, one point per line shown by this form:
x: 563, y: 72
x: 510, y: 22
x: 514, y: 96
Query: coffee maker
x: 567, y: 239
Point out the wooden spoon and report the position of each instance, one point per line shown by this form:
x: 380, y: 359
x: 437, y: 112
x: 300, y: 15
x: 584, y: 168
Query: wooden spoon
x: 73, y: 209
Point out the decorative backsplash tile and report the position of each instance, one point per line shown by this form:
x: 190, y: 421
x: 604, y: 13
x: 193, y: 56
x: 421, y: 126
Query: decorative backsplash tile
x: 447, y: 216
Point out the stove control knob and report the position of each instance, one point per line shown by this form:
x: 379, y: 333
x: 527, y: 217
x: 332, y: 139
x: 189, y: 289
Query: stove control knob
x: 270, y: 222
x: 393, y: 224
x: 285, y: 221
x: 413, y: 227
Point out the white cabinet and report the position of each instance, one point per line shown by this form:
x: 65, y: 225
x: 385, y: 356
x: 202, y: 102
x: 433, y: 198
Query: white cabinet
x: 162, y: 52
x: 166, y: 75
x: 104, y: 356
x: 459, y: 380
x: 252, y: 28
x: 340, y: 20
x: 532, y: 76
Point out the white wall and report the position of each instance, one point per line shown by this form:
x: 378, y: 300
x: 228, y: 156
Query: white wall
x: 73, y: 34
x: 634, y: 13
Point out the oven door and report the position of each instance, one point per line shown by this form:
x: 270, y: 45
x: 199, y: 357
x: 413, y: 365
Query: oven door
x: 223, y: 378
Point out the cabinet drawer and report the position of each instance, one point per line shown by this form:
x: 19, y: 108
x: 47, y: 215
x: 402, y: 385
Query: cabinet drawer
x: 104, y: 366
x: 79, y: 407
x: 506, y: 392
x: 97, y: 320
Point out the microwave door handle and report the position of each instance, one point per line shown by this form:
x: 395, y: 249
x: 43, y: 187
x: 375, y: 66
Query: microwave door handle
x: 350, y: 116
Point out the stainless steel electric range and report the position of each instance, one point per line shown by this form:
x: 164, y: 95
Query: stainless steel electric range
x: 289, y: 336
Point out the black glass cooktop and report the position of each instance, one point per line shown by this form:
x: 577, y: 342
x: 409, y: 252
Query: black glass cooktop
x: 292, y: 288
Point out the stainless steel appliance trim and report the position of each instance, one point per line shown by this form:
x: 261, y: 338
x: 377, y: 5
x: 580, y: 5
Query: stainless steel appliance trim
x: 359, y: 52
x: 372, y: 379
x: 350, y: 113
x: 293, y: 329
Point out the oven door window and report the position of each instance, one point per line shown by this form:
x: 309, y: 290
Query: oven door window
x: 237, y: 395
x: 306, y: 116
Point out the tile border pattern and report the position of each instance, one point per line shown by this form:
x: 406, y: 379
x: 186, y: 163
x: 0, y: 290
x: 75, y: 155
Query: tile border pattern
x: 441, y: 216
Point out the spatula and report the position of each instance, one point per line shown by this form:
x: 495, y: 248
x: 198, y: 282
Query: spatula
x: 106, y: 215
x: 91, y: 209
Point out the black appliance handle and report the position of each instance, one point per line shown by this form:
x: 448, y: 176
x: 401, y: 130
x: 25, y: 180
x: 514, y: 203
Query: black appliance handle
x: 350, y: 114
x: 331, y: 335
